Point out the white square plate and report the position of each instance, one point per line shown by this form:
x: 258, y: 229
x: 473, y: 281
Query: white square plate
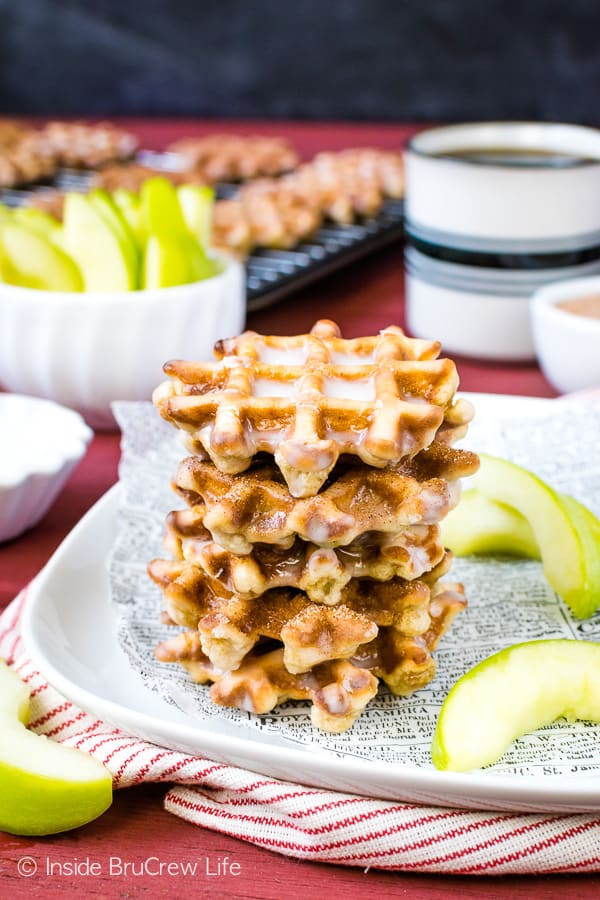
x: 69, y: 629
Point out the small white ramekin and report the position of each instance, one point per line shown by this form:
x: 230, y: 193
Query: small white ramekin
x: 84, y: 350
x: 483, y: 236
x: 40, y: 446
x: 567, y: 345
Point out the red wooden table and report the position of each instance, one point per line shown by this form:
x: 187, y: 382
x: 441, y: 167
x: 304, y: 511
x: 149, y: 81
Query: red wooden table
x: 363, y: 299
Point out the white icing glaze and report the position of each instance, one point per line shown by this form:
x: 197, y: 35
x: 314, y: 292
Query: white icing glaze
x: 359, y: 390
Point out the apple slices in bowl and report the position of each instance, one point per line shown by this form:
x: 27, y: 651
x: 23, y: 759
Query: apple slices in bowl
x: 107, y: 243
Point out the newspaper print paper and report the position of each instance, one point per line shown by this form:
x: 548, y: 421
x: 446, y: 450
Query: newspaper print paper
x: 509, y: 600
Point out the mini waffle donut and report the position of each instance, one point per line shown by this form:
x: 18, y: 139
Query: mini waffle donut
x: 242, y: 510
x: 318, y: 571
x: 230, y: 626
x: 278, y: 214
x: 81, y: 145
x: 342, y: 190
x: 256, y: 507
x: 230, y: 157
x: 11, y: 131
x: 130, y: 176
x: 231, y: 229
x: 351, y: 182
x: 336, y: 689
x: 25, y: 157
x: 307, y: 399
x: 385, y: 166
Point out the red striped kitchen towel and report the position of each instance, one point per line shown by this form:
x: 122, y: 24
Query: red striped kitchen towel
x: 304, y: 822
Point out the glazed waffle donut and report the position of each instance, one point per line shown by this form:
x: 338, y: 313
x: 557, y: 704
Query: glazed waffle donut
x: 384, y: 166
x: 131, y: 176
x: 81, y: 145
x: 350, y: 182
x: 25, y: 157
x: 230, y: 157
x: 339, y: 689
x: 278, y: 214
x: 265, y: 213
x: 318, y: 571
x: 257, y: 508
x: 229, y: 626
x: 309, y: 398
x: 341, y: 191
x: 231, y: 229
x: 11, y: 131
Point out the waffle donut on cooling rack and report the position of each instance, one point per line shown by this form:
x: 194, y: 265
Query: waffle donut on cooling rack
x: 230, y: 157
x: 85, y: 146
x: 306, y: 564
x: 310, y: 398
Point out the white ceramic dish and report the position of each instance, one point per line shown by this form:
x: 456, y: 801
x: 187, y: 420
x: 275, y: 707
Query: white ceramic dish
x: 75, y: 647
x: 486, y: 231
x: 567, y: 345
x: 40, y: 446
x: 86, y: 350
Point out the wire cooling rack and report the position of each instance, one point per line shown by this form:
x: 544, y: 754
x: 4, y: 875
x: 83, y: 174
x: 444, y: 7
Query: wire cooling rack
x: 272, y: 275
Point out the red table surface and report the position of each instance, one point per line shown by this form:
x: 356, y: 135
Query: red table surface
x: 362, y: 299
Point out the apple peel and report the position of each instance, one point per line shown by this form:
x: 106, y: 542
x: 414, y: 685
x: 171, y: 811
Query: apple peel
x: 45, y: 787
x: 512, y: 510
x: 516, y: 691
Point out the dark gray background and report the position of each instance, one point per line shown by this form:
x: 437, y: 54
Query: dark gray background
x: 342, y: 59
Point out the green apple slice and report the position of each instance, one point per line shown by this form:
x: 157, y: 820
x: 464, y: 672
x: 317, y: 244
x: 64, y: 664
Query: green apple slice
x: 37, y: 220
x: 569, y: 548
x: 196, y: 202
x: 30, y: 260
x: 201, y: 265
x: 100, y: 251
x: 166, y: 263
x: 45, y: 787
x: 115, y: 219
x: 130, y: 208
x: 512, y: 693
x: 482, y: 526
x: 160, y: 209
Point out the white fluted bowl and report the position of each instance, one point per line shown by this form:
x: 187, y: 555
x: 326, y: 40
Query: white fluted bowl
x: 86, y: 350
x: 41, y: 444
x: 567, y: 344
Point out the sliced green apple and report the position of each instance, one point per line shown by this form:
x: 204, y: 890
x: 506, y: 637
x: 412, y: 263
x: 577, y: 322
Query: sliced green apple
x: 512, y: 693
x: 30, y: 260
x: 166, y: 263
x: 45, y: 787
x: 196, y: 202
x: 37, y: 220
x: 569, y: 548
x: 160, y: 209
x: 202, y: 266
x: 130, y: 208
x: 116, y: 220
x: 103, y: 256
x: 479, y: 525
